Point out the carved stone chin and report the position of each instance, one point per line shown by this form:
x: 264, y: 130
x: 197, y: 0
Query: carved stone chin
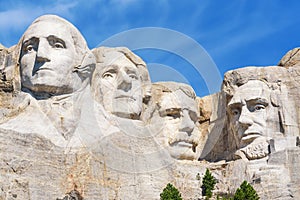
x: 257, y: 149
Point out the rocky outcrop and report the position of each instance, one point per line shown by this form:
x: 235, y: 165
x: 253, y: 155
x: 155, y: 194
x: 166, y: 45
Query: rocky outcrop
x: 290, y: 59
x: 81, y: 124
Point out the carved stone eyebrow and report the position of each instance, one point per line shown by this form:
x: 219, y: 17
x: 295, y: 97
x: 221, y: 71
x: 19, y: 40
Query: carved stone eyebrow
x: 235, y: 104
x: 28, y: 41
x: 31, y: 41
x: 258, y: 100
x: 51, y: 38
x: 170, y: 111
x: 109, y: 68
x: 130, y: 70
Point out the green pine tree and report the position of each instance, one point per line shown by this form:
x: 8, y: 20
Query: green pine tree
x: 170, y: 193
x: 246, y: 191
x: 208, y: 184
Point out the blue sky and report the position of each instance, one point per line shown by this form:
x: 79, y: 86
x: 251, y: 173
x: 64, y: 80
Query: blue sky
x: 210, y: 37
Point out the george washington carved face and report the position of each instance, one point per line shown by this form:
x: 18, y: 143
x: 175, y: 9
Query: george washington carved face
x: 51, y: 50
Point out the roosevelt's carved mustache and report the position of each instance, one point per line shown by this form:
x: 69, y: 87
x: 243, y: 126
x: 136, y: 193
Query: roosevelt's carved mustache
x: 124, y: 97
x: 183, y: 137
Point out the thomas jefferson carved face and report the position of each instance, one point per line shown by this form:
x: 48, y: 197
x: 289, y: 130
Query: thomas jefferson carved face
x: 121, y: 86
x: 251, y: 113
x: 48, y: 57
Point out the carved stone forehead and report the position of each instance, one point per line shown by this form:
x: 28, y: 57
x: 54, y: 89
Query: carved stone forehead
x: 161, y: 87
x: 253, y: 89
x: 114, y: 60
x: 115, y: 57
x: 47, y: 28
x: 177, y: 99
x: 47, y: 25
x: 105, y: 55
x: 174, y: 95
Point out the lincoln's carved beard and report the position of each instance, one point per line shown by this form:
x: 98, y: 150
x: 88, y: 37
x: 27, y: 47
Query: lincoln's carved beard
x: 259, y: 148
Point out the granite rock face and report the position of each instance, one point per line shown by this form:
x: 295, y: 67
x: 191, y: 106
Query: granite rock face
x: 84, y: 124
x: 290, y: 59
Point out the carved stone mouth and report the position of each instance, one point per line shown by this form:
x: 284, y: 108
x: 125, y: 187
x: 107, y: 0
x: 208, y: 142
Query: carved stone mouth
x: 185, y: 144
x: 44, y: 68
x: 250, y: 136
x: 125, y: 97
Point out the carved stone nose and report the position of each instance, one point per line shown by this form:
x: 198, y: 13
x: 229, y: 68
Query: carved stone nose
x: 42, y: 59
x: 124, y: 81
x: 187, y: 125
x: 43, y: 51
x: 245, y: 119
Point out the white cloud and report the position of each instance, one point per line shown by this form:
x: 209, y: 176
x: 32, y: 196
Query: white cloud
x: 17, y: 19
x: 14, y: 18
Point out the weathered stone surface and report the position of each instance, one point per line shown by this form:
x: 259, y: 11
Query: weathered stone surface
x: 82, y: 124
x: 291, y: 58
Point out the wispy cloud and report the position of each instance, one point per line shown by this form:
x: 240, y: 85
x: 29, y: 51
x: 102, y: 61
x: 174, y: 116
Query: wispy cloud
x: 228, y: 30
x: 16, y: 20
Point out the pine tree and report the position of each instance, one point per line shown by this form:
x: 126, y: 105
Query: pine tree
x: 246, y: 191
x: 208, y: 184
x: 170, y: 193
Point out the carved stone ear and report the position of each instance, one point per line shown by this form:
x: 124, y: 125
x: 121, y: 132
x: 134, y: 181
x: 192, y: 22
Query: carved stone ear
x: 87, y: 66
x: 274, y: 99
x: 276, y: 94
x: 146, y: 93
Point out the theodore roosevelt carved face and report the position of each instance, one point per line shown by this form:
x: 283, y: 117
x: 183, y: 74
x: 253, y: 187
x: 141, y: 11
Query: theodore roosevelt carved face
x: 251, y: 115
x: 51, y: 56
x: 177, y: 115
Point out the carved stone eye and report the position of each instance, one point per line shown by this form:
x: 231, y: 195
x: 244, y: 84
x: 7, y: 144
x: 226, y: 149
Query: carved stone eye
x: 59, y: 45
x: 29, y: 48
x: 173, y: 112
x: 259, y: 107
x: 235, y: 112
x: 133, y: 76
x: 56, y: 42
x: 193, y: 116
x: 107, y: 75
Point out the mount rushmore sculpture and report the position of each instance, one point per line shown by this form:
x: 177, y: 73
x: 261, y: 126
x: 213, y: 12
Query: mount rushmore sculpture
x: 91, y: 123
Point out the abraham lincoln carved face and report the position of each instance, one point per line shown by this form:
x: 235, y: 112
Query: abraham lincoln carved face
x: 251, y: 116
